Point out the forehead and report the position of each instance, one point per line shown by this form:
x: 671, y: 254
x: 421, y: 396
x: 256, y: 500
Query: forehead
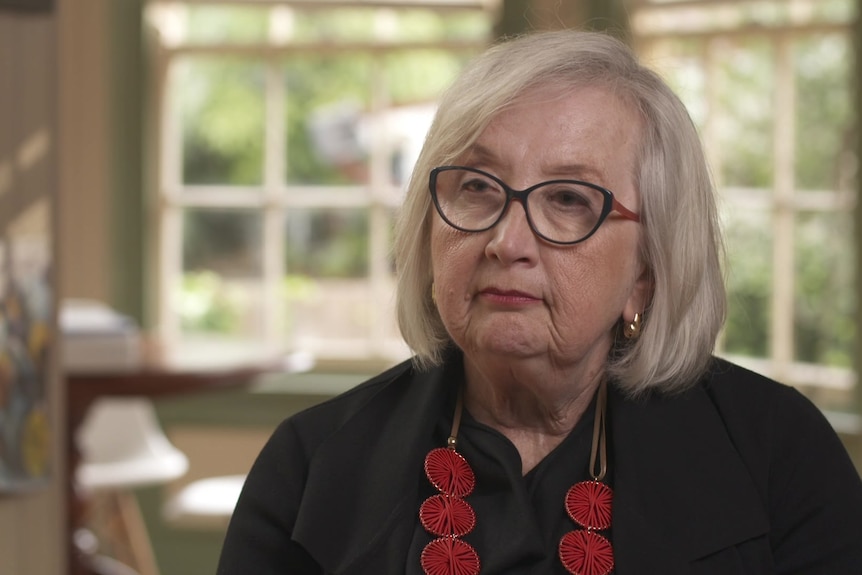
x: 559, y: 129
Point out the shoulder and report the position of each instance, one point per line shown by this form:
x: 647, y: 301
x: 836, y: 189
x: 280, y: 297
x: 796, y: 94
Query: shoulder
x: 338, y: 427
x: 800, y: 466
x: 322, y: 460
x: 748, y: 405
x: 728, y: 379
x: 741, y: 394
x: 761, y: 413
x: 783, y: 439
x: 312, y: 425
x: 399, y: 399
x: 354, y: 399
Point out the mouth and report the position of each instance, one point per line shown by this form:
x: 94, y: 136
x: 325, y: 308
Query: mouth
x: 506, y: 296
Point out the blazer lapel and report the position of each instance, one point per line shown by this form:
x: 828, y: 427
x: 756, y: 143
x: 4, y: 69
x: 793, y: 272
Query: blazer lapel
x: 372, y: 514
x: 681, y: 491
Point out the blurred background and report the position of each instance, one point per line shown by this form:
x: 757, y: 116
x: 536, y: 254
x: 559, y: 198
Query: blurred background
x: 225, y: 175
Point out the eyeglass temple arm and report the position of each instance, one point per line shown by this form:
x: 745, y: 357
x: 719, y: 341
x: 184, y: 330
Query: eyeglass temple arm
x: 624, y: 211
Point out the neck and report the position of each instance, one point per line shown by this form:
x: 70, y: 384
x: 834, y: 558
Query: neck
x: 534, y: 409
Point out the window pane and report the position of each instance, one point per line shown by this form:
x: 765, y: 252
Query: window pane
x: 825, y: 305
x: 744, y: 130
x: 749, y: 283
x: 666, y: 17
x: 402, y: 25
x: 214, y: 24
x: 421, y: 75
x: 326, y: 114
x: 332, y: 25
x: 680, y: 62
x: 418, y: 25
x: 325, y: 314
x: 415, y: 79
x: 326, y: 289
x: 325, y: 243
x: 221, y: 287
x: 222, y: 118
x: 835, y: 10
x: 824, y: 137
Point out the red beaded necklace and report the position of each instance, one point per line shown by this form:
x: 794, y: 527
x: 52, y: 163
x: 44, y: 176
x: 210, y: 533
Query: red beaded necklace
x: 449, y: 517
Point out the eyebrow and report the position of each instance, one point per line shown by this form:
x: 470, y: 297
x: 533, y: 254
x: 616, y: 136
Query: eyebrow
x: 562, y: 171
x: 481, y: 151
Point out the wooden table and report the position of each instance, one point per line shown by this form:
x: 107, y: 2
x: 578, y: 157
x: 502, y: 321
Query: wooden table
x: 154, y: 379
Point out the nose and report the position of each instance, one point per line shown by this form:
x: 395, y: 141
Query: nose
x: 512, y: 238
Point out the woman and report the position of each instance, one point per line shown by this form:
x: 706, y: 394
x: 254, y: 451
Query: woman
x: 560, y: 284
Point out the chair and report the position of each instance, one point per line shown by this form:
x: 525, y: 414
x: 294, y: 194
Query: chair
x: 208, y: 498
x: 123, y: 447
x: 212, y: 499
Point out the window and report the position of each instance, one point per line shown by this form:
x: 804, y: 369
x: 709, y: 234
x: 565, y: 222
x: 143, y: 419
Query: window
x: 769, y: 84
x: 288, y: 129
x: 287, y: 133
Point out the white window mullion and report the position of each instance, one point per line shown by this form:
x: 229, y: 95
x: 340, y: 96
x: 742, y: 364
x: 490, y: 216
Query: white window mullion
x: 171, y: 243
x: 172, y: 264
x: 783, y: 267
x: 711, y: 137
x: 156, y: 102
x: 273, y: 216
x: 379, y: 219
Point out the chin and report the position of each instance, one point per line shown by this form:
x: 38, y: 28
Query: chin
x: 500, y: 334
x: 519, y: 347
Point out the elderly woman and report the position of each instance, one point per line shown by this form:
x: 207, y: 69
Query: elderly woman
x: 560, y: 285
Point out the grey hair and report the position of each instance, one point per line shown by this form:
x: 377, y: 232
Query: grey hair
x: 681, y: 244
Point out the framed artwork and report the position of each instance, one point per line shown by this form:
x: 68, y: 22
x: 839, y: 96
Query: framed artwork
x: 28, y: 368
x: 26, y: 335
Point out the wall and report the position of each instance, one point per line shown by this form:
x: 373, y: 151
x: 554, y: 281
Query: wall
x: 32, y: 524
x: 84, y: 110
x: 856, y: 450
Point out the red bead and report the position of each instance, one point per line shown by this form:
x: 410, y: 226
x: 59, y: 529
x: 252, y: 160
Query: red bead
x: 446, y: 516
x: 449, y: 472
x: 586, y: 553
x: 588, y: 503
x: 449, y: 556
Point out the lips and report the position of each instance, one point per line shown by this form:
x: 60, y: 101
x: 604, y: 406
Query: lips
x: 508, y: 295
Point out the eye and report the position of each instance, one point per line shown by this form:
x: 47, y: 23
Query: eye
x: 568, y: 198
x: 478, y: 185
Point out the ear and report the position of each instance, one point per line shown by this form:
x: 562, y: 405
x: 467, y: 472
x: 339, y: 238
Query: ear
x: 641, y: 295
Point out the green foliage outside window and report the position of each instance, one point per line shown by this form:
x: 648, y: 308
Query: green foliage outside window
x: 749, y: 285
x: 222, y: 102
x: 825, y: 329
x: 205, y: 304
x: 224, y: 115
x: 743, y: 86
x: 315, y: 84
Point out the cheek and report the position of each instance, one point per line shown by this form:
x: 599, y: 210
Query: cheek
x: 452, y: 256
x: 593, y: 284
x: 576, y: 293
x: 454, y: 262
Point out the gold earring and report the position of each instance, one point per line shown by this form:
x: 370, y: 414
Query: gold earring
x: 633, y: 329
x: 433, y: 294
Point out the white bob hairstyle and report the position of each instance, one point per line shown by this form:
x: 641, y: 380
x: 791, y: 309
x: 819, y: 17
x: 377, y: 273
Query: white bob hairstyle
x: 680, y: 240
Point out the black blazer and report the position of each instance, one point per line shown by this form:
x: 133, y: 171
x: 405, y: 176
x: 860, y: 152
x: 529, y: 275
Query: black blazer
x: 738, y: 475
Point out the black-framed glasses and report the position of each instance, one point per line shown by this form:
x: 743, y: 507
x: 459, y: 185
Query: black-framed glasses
x: 559, y: 211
